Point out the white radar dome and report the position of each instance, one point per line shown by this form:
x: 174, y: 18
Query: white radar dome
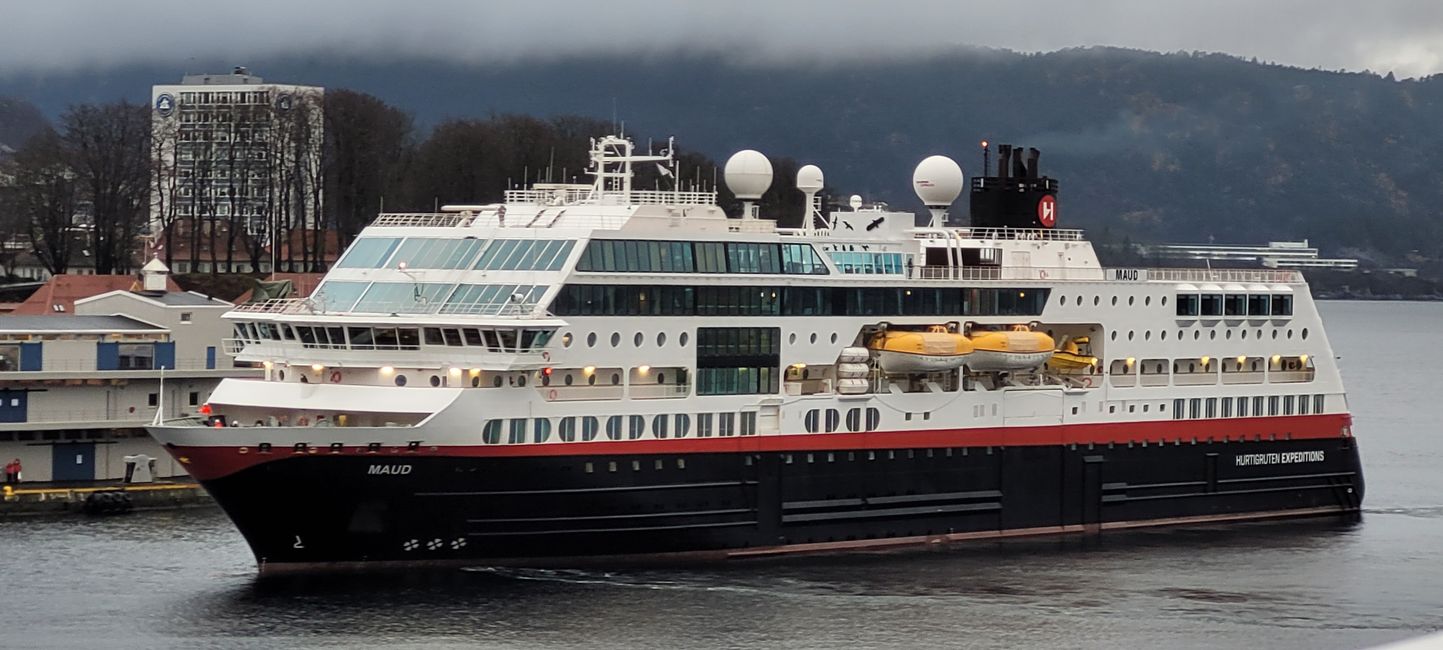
x: 809, y: 179
x: 855, y: 202
x: 748, y: 174
x: 937, y: 181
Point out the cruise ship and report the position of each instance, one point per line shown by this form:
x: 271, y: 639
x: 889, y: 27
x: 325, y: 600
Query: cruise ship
x: 597, y: 373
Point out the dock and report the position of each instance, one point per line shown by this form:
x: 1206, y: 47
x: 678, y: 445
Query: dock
x: 100, y: 497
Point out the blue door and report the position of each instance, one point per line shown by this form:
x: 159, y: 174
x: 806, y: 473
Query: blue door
x: 73, y: 461
x: 12, y: 406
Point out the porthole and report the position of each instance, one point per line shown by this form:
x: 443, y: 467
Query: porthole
x: 1290, y: 334
x: 1062, y: 301
x: 615, y: 339
x: 1164, y: 301
x: 1212, y: 335
x: 305, y: 380
x: 1275, y: 335
x: 566, y: 340
x: 1146, y: 300
x: 1162, y: 334
x: 1096, y: 300
x: 545, y: 379
x: 660, y: 339
x: 792, y: 338
x: 615, y: 379
x: 521, y: 380
x: 1114, y: 335
x: 1196, y: 334
x: 496, y: 381
x: 281, y: 375
x: 1305, y: 334
x: 636, y: 340
x: 1130, y: 334
x: 591, y: 340
x: 683, y: 339
x: 1179, y: 335
x: 1243, y: 334
x: 435, y: 381
x: 568, y: 379
x: 1114, y: 301
x: 591, y: 380
x: 476, y: 381
x: 1228, y: 335
x: 834, y: 338
x: 814, y: 338
x: 1147, y: 336
x: 400, y: 380
x: 1131, y: 300
x: 1079, y: 301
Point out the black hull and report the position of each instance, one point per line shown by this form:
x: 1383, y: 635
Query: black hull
x: 317, y: 510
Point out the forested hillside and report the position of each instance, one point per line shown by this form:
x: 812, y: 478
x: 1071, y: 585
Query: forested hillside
x: 1148, y: 146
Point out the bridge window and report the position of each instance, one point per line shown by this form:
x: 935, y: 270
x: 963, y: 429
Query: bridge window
x: 436, y: 253
x: 368, y: 253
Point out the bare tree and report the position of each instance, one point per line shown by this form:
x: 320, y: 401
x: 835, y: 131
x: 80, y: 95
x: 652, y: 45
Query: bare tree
x: 367, y: 148
x: 108, y: 150
x: 165, y: 178
x: 44, y: 196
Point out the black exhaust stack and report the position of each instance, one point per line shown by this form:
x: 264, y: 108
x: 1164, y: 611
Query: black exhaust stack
x: 1019, y: 196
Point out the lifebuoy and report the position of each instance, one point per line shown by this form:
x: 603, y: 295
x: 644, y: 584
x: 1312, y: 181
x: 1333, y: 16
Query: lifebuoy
x: 1087, y: 382
x: 545, y: 355
x: 551, y: 394
x: 335, y: 376
x: 1041, y: 275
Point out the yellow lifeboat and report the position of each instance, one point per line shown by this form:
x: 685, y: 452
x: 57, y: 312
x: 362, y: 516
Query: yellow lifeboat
x: 934, y: 350
x: 1017, y: 349
x: 1070, y: 358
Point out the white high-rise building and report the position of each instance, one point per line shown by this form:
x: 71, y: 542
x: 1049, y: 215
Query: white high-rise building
x: 232, y: 149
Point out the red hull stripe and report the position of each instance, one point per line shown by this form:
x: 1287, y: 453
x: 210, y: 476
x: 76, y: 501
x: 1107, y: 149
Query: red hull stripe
x: 213, y: 462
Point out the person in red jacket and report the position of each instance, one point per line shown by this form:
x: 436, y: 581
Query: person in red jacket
x: 12, y: 472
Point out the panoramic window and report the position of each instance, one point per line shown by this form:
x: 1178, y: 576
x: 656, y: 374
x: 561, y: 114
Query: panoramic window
x: 435, y: 253
x: 524, y: 255
x: 368, y: 253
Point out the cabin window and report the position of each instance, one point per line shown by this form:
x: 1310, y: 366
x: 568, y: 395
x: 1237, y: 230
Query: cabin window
x: 1194, y: 408
x: 658, y: 427
x: 567, y: 430
x: 613, y: 427
x: 518, y: 431
x: 636, y: 427
x: 1282, y: 304
x: 1318, y: 403
x: 1288, y: 404
x: 589, y: 428
x: 749, y: 423
x: 1212, y: 407
x: 540, y: 430
x: 1235, y: 304
x: 1212, y: 304
x: 703, y: 425
x: 726, y: 425
x: 683, y: 425
x: 874, y: 419
x: 1177, y: 412
x: 834, y: 418
x: 491, y: 433
x: 854, y: 419
x: 1259, y: 304
x: 811, y: 420
x: 1188, y: 304
x: 1273, y: 405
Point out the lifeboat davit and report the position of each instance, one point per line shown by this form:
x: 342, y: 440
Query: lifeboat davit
x: 1018, y: 349
x: 1069, y: 359
x: 934, y: 350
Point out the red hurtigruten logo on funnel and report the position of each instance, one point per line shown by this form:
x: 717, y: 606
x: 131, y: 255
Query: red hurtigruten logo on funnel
x: 1047, y: 211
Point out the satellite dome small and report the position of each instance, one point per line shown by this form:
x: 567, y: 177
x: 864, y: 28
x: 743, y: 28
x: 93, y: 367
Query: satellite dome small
x: 748, y: 174
x: 809, y: 179
x: 938, y: 181
x: 855, y: 202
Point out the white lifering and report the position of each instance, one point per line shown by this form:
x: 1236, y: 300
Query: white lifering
x: 1042, y: 275
x: 545, y: 355
x: 336, y: 377
x: 551, y: 394
x: 1087, y: 382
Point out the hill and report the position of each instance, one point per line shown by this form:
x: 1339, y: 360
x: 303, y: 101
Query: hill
x: 1150, y: 146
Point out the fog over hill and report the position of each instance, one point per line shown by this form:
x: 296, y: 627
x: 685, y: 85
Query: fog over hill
x: 1151, y: 146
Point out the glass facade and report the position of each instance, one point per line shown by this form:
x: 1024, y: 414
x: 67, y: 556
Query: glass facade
x: 422, y: 253
x: 737, y: 360
x: 525, y: 255
x: 368, y: 253
x: 639, y: 300
x: 867, y: 262
x: 642, y: 256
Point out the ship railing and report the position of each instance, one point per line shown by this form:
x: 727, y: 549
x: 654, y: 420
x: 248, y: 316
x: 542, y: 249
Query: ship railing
x: 751, y: 225
x: 1028, y: 234
x: 1274, y: 276
x: 954, y: 273
x: 423, y: 219
x: 275, y: 306
x: 574, y: 196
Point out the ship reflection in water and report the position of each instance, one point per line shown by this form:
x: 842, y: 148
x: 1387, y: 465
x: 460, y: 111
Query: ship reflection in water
x: 160, y: 579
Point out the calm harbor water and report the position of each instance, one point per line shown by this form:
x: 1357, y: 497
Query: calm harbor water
x: 186, y: 578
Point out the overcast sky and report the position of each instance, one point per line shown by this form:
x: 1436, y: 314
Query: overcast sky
x: 1404, y: 36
